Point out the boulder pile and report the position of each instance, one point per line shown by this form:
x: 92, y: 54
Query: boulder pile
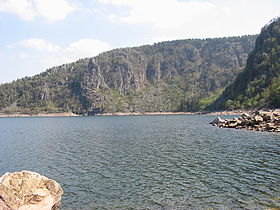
x: 258, y: 121
x: 27, y: 190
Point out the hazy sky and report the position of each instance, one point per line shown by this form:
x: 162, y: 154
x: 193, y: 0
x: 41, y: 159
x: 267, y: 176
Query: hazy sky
x: 38, y: 34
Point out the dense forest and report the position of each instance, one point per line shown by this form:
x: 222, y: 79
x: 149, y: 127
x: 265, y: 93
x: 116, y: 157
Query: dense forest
x: 181, y: 75
x: 258, y: 86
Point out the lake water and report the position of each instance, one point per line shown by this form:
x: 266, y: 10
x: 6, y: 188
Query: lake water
x: 146, y: 162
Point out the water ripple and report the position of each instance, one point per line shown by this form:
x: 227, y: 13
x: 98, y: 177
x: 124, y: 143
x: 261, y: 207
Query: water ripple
x: 146, y: 162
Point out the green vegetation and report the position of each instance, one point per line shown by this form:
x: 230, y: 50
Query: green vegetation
x: 182, y: 75
x: 258, y: 86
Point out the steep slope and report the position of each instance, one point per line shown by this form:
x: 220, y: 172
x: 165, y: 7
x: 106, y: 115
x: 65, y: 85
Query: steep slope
x: 258, y: 86
x: 159, y: 77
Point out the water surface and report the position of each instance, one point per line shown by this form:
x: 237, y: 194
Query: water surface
x: 146, y: 162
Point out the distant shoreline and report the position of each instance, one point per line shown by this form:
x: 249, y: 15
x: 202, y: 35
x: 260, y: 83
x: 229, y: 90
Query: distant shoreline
x: 61, y: 114
x: 66, y: 114
x: 172, y: 113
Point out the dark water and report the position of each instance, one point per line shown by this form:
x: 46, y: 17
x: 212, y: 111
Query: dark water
x: 146, y: 162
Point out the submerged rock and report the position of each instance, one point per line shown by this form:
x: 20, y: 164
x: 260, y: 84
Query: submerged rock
x: 27, y: 190
x: 259, y: 121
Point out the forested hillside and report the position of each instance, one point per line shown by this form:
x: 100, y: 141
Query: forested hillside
x: 167, y: 76
x: 258, y: 86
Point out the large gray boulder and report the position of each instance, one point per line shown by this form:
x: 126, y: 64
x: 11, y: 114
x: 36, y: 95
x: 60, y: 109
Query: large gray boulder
x: 27, y: 190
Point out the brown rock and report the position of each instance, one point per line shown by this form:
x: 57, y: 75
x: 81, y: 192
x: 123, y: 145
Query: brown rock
x: 239, y: 122
x: 218, y: 120
x: 245, y: 115
x: 276, y: 114
x: 234, y: 120
x: 270, y: 126
x: 262, y: 113
x: 268, y: 117
x: 258, y: 118
x: 245, y: 122
x: 232, y: 125
x: 27, y: 190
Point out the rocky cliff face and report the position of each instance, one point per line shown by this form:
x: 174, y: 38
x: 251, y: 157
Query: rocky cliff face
x: 258, y: 86
x: 141, y: 79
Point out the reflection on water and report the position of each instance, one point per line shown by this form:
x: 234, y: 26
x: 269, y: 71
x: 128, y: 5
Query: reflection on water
x: 146, y: 162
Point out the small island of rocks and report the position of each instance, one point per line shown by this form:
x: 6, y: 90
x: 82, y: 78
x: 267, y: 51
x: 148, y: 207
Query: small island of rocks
x: 258, y: 121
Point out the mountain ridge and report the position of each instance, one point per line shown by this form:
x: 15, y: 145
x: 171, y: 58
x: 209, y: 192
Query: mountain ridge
x: 159, y: 77
x: 258, y: 86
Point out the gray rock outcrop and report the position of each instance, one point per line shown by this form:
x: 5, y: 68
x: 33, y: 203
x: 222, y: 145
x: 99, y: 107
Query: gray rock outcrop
x: 27, y: 190
x: 258, y: 121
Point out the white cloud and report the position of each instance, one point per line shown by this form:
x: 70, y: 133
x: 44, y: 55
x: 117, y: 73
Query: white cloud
x: 75, y: 50
x: 40, y: 45
x: 87, y: 48
x: 177, y: 19
x: 50, y: 10
x: 53, y: 10
x: 164, y: 13
x: 23, y: 8
x: 39, y: 54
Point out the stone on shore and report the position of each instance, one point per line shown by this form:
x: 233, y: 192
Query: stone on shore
x: 259, y: 121
x: 217, y: 121
x: 27, y: 190
x: 245, y: 115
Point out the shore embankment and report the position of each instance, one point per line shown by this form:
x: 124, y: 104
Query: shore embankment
x: 258, y: 121
x: 60, y: 114
x: 64, y: 114
x: 143, y: 113
x: 69, y: 114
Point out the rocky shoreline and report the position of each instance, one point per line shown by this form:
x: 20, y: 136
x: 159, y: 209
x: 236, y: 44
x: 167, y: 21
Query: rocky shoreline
x: 59, y: 114
x: 144, y: 113
x: 64, y: 114
x: 257, y: 121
